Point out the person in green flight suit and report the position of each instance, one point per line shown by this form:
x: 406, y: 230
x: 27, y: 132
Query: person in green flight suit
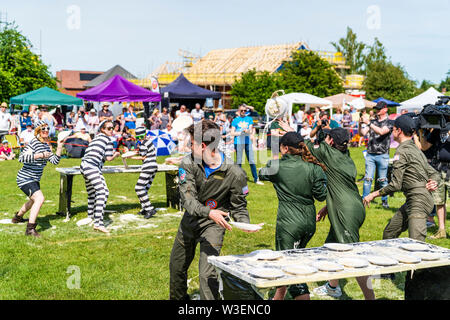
x: 412, y: 174
x: 344, y: 207
x: 296, y: 217
x: 212, y: 188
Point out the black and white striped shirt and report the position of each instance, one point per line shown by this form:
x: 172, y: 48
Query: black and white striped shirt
x: 101, y: 147
x: 148, y: 150
x: 32, y: 169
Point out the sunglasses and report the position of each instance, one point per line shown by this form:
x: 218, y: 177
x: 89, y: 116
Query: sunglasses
x: 109, y: 128
x: 45, y: 129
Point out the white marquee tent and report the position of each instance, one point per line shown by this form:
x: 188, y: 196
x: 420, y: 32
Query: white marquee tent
x: 431, y: 96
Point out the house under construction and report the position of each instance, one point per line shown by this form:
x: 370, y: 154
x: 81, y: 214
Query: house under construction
x: 220, y: 68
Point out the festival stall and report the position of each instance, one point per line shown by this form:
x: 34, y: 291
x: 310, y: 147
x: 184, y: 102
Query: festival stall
x: 183, y: 91
x: 388, y: 102
x: 119, y: 89
x: 431, y: 96
x: 45, y: 96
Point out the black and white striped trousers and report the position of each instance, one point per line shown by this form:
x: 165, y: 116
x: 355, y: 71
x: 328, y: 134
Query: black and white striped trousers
x: 97, y: 192
x: 142, y: 186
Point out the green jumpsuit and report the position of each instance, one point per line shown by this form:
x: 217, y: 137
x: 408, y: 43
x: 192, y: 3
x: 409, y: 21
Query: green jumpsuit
x: 410, y: 174
x: 225, y: 189
x: 344, y: 203
x: 297, y: 184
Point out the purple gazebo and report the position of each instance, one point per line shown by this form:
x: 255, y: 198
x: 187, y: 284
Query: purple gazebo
x: 119, y: 89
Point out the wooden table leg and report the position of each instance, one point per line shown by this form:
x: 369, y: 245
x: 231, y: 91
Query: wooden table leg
x: 65, y: 194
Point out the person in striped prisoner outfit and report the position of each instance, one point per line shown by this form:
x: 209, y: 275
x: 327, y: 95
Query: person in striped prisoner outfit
x: 34, y: 158
x: 147, y: 153
x: 101, y: 148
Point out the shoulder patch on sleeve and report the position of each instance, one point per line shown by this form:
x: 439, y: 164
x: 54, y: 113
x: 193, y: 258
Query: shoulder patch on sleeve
x: 182, y: 175
x: 245, y: 190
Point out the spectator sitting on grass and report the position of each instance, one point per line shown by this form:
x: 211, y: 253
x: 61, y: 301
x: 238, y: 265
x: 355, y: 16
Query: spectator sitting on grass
x: 128, y: 140
x: 6, y: 152
x: 82, y: 134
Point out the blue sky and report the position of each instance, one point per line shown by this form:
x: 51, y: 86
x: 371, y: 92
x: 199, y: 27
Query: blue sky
x: 142, y: 34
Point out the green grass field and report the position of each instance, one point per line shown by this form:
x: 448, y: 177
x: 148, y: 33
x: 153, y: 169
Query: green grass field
x: 133, y: 262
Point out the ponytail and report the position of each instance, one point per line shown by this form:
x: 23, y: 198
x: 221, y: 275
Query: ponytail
x: 306, y: 155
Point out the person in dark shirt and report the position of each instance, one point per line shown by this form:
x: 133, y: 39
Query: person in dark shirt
x: 378, y: 145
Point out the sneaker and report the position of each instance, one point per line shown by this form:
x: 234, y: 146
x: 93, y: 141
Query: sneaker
x: 440, y: 234
x: 259, y: 183
x: 385, y: 204
x: 430, y: 224
x: 150, y: 214
x: 326, y: 290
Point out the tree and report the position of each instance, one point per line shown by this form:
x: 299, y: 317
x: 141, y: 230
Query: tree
x: 307, y: 72
x: 254, y: 89
x: 304, y: 72
x: 376, y: 53
x: 20, y: 69
x: 352, y: 50
x: 388, y: 81
x: 445, y: 83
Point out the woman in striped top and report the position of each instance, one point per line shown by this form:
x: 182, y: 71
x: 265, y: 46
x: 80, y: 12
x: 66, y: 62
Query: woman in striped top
x: 99, y: 150
x: 34, y: 158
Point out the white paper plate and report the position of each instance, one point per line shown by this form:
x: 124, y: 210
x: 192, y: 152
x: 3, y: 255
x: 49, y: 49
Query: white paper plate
x: 414, y: 247
x: 338, y: 246
x: 328, y: 266
x: 353, y: 262
x: 246, y: 226
x: 129, y: 154
x: 267, y: 254
x: 84, y: 222
x: 382, y: 261
x: 427, y: 256
x: 299, y: 270
x: 266, y: 273
x: 406, y: 258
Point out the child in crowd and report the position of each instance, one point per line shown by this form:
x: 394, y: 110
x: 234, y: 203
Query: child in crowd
x: 6, y: 152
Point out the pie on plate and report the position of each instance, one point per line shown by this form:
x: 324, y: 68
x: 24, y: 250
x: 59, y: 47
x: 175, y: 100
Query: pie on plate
x: 328, y: 266
x: 267, y: 254
x: 266, y: 273
x: 353, y: 262
x: 427, y: 256
x: 129, y: 154
x: 338, y: 246
x: 299, y: 270
x: 246, y: 226
x: 382, y: 261
x: 406, y: 258
x: 414, y: 247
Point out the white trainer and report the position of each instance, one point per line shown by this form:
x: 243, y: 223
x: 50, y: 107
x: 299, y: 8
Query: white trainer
x: 326, y: 290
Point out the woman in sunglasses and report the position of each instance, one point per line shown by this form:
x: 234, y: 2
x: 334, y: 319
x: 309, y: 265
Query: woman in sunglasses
x: 34, y: 158
x: 101, y: 149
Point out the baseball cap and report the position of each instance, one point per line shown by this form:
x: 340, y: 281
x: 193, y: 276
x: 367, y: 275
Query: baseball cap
x: 291, y: 139
x: 405, y: 123
x: 340, y: 136
x: 4, y: 105
x: 5, y: 141
x: 380, y: 105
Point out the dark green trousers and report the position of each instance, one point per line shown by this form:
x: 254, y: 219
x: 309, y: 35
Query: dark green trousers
x: 210, y: 238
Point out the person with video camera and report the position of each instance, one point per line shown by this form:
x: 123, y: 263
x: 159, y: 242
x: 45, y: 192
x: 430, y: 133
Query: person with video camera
x: 435, y: 144
x: 379, y: 139
x: 322, y: 126
x: 412, y: 175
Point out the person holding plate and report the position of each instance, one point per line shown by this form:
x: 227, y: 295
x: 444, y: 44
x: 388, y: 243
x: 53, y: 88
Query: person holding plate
x: 296, y: 217
x: 212, y: 188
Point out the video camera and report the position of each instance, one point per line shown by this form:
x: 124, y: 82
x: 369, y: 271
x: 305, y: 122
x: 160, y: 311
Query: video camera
x: 435, y: 116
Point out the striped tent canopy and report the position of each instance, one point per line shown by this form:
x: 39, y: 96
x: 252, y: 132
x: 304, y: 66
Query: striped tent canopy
x: 162, y: 141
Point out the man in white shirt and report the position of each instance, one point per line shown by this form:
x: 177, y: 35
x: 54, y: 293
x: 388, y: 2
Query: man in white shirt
x: 182, y: 112
x: 5, y: 120
x: 305, y: 131
x: 197, y: 114
x: 26, y: 135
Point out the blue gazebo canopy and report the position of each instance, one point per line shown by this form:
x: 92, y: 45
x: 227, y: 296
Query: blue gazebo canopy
x: 388, y: 102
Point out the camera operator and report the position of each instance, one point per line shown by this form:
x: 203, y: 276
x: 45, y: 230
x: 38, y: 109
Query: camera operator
x: 412, y: 175
x: 81, y: 120
x: 435, y: 144
x: 324, y: 123
x: 378, y: 145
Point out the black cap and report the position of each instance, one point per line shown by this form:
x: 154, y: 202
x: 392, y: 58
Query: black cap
x: 291, y: 139
x: 381, y: 105
x: 405, y: 123
x: 340, y: 136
